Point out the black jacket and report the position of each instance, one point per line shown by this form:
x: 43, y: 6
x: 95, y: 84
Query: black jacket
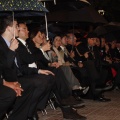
x: 27, y: 58
x: 7, y: 56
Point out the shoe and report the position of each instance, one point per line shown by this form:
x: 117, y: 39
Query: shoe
x: 71, y: 101
x: 102, y: 99
x: 80, y: 105
x: 75, y: 94
x: 80, y: 92
x: 105, y: 88
x: 71, y: 114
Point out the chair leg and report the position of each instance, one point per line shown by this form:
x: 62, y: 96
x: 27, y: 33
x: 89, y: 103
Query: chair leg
x: 52, y: 104
x: 44, y: 112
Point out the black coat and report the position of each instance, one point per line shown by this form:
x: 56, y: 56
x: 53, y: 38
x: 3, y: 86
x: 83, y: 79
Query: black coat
x: 7, y: 56
x: 27, y: 58
x: 42, y: 62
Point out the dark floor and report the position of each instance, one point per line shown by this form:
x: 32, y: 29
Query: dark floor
x: 93, y: 110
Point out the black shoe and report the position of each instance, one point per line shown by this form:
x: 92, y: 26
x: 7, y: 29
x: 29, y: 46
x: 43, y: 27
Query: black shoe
x: 71, y: 101
x: 80, y: 92
x: 75, y: 95
x: 71, y: 114
x: 102, y: 99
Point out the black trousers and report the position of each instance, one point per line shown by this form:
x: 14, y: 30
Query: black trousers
x: 22, y: 103
x: 61, y: 87
x: 7, y: 98
x: 96, y: 78
x: 36, y: 90
x: 43, y: 85
x: 81, y: 75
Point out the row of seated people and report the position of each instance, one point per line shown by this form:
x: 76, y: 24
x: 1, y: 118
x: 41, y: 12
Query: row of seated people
x: 83, y: 65
x: 110, y: 56
x: 25, y: 86
x: 32, y: 68
x: 105, y: 57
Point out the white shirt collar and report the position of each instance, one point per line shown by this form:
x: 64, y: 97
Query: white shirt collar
x: 62, y: 48
x: 23, y: 41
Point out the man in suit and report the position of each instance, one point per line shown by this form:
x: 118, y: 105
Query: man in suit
x: 21, y: 88
x: 28, y: 61
x: 41, y: 46
x: 69, y: 56
x: 89, y: 54
x: 8, y: 94
x: 42, y: 84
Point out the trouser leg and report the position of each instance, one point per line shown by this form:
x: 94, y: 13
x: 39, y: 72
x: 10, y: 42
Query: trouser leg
x: 7, y: 98
x: 22, y: 103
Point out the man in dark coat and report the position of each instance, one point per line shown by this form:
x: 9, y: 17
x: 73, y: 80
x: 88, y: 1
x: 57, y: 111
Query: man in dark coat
x: 28, y: 62
x: 88, y: 54
x: 22, y: 89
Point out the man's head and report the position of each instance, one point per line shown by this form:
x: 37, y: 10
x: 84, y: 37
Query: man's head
x: 113, y: 44
x: 91, y: 39
x: 23, y: 31
x: 71, y: 39
x: 9, y: 27
x: 103, y: 42
x: 64, y: 40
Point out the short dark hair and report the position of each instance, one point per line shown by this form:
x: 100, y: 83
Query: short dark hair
x: 34, y: 32
x: 6, y: 21
x: 21, y: 23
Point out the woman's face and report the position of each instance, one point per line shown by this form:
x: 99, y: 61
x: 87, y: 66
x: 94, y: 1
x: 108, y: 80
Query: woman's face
x: 44, y: 38
x: 57, y: 41
x: 38, y: 38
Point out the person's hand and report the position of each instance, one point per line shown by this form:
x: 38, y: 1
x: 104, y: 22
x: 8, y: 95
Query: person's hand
x: 55, y: 64
x: 46, y: 46
x: 108, y: 60
x: 67, y: 63
x: 15, y: 86
x: 14, y: 44
x: 86, y: 55
x: 45, y: 72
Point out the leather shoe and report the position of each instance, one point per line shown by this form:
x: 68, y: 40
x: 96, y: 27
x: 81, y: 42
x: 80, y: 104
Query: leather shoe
x: 80, y: 92
x: 105, y: 88
x: 71, y: 114
x: 71, y: 101
x: 102, y: 99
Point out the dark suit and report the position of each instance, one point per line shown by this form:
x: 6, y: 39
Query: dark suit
x: 9, y: 72
x: 80, y: 73
x: 60, y: 80
x: 7, y: 95
x: 93, y: 67
x: 43, y: 83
